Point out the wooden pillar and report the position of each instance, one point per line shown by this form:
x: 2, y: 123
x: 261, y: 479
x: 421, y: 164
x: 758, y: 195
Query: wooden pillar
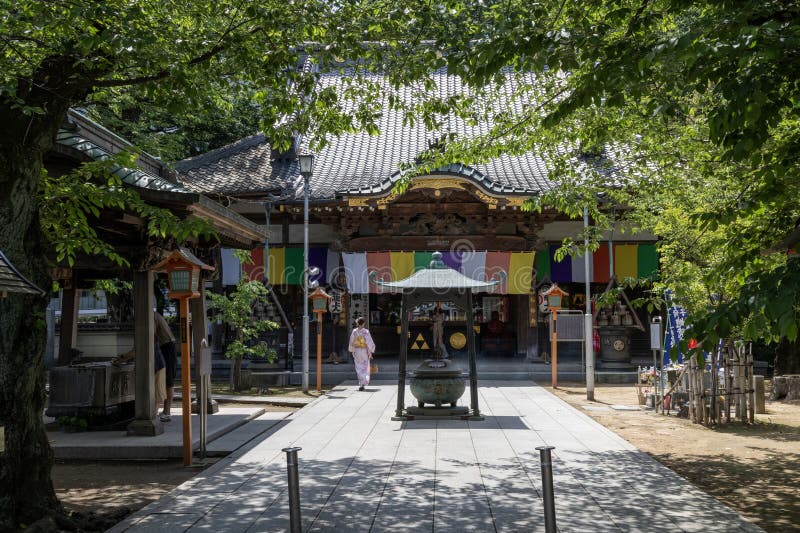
x: 473, y: 365
x: 186, y: 383
x: 68, y: 332
x: 146, y: 423
x: 401, y: 366
x: 522, y: 324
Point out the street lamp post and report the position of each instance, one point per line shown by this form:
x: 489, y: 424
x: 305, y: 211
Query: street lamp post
x: 588, y: 321
x: 183, y: 270
x: 306, y: 167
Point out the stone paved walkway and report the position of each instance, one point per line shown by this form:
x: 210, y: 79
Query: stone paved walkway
x: 360, y: 471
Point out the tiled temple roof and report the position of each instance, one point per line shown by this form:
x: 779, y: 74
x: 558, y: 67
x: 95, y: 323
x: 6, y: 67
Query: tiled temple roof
x: 358, y: 163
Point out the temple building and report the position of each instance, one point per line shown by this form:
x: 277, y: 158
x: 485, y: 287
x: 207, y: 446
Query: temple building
x: 360, y: 223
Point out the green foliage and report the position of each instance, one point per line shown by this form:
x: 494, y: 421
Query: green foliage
x: 76, y: 422
x: 236, y: 310
x: 694, y: 106
x: 175, y: 136
x: 72, y: 202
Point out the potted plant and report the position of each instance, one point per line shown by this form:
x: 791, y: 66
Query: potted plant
x: 236, y: 311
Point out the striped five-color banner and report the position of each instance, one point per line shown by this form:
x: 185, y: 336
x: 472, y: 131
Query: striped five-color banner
x: 630, y: 261
x: 478, y: 265
x: 286, y: 266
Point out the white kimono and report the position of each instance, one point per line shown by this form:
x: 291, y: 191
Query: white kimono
x: 362, y: 347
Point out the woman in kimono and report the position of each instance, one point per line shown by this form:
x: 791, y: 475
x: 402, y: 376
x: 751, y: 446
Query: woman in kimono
x: 362, y: 347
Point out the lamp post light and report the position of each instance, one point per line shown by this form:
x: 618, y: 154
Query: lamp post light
x: 183, y: 270
x: 319, y: 299
x: 588, y: 318
x: 306, y: 167
x: 555, y: 296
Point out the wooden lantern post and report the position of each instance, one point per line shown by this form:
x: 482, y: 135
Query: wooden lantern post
x: 555, y: 297
x: 319, y: 304
x: 183, y: 270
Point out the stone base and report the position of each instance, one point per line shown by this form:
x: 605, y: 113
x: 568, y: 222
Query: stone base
x: 213, y: 407
x: 146, y: 428
x: 617, y: 365
x: 438, y: 413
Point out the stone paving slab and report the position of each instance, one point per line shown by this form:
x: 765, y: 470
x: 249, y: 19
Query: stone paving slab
x: 240, y: 436
x: 168, y: 445
x: 360, y: 471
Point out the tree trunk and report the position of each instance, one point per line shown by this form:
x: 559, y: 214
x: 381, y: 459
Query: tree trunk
x: 236, y: 377
x: 26, y: 490
x: 787, y: 357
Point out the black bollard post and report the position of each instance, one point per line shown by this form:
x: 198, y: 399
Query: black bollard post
x: 547, y: 489
x: 294, y: 489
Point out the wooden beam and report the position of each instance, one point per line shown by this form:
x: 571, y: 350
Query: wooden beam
x: 68, y: 333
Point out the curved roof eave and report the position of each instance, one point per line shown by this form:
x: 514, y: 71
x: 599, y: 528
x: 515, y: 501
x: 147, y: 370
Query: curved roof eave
x: 458, y: 170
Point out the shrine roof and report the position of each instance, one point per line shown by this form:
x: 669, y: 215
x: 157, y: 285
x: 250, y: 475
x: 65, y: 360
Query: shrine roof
x: 11, y: 280
x: 363, y: 164
x: 80, y: 138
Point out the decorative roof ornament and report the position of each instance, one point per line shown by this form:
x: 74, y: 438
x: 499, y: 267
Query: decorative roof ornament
x: 438, y: 277
x: 11, y: 280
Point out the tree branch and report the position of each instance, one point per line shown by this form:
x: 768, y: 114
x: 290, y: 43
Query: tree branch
x: 167, y: 72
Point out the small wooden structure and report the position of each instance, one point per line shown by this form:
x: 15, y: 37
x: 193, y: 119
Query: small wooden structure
x: 433, y: 284
x: 12, y: 281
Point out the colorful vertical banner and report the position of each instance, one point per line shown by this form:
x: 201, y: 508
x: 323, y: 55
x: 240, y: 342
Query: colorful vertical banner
x: 318, y: 257
x: 520, y: 273
x: 676, y: 327
x: 381, y: 264
x: 355, y: 268
x: 579, y: 273
x: 625, y: 258
x: 543, y: 264
x: 422, y: 260
x: 332, y: 269
x: 601, y: 265
x: 402, y: 265
x: 277, y: 266
x: 560, y: 271
x: 293, y: 266
x: 497, y: 262
x: 285, y: 265
x: 647, y: 261
x: 453, y: 259
x: 473, y: 265
x: 231, y: 267
x: 255, y: 269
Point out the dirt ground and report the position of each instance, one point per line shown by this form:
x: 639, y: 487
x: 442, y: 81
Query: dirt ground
x: 104, y: 486
x: 753, y: 469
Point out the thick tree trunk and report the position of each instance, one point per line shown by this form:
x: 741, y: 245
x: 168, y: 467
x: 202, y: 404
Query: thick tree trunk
x: 787, y: 358
x: 26, y: 490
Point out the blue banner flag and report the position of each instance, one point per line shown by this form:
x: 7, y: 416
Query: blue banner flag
x: 676, y: 327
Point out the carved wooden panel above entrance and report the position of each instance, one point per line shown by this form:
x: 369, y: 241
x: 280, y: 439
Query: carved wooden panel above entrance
x: 438, y: 187
x: 508, y: 243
